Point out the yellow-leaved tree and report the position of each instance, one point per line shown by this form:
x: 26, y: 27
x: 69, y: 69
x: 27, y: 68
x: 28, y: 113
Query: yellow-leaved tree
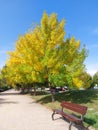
x: 44, y: 56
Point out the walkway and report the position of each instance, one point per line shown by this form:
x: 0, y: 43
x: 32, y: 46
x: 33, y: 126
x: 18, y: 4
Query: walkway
x: 20, y: 112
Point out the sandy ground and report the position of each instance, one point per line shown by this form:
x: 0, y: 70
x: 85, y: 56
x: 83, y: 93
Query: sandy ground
x: 21, y: 112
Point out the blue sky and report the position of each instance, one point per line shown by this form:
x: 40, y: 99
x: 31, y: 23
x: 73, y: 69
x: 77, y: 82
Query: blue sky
x: 17, y: 16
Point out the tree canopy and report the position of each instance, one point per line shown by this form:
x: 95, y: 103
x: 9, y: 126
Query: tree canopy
x: 43, y: 55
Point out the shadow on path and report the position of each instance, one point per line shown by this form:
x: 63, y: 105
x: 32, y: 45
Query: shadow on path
x: 4, y: 94
x: 6, y: 100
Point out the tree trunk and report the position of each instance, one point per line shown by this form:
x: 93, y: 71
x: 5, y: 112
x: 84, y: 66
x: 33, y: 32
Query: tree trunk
x: 22, y: 90
x: 52, y: 92
x: 34, y: 91
x: 49, y: 85
x: 52, y: 97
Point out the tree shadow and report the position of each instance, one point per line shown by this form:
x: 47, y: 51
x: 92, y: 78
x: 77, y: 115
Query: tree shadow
x: 1, y: 99
x: 79, y: 96
x: 9, y: 102
x: 45, y: 99
x: 7, y: 94
x: 38, y: 93
x: 88, y: 121
x: 4, y: 100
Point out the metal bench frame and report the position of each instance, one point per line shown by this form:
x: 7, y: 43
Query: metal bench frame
x: 72, y: 118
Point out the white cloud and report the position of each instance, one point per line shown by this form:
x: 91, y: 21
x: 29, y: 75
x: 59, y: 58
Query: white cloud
x: 92, y: 68
x: 95, y: 31
x: 92, y: 71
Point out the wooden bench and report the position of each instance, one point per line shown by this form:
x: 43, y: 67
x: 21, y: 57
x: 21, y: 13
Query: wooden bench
x: 73, y: 118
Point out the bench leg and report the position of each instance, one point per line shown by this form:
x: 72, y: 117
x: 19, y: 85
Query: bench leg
x: 53, y: 115
x: 70, y: 125
x: 81, y: 125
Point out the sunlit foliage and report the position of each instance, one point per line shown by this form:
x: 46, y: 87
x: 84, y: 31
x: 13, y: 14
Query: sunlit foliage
x: 43, y: 55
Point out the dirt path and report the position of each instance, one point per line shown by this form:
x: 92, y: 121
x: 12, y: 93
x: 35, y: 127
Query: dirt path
x: 20, y: 112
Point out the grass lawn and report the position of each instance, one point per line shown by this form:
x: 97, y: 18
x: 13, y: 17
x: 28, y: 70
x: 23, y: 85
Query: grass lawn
x: 88, y: 98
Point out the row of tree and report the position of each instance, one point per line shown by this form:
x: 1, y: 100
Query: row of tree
x: 44, y: 56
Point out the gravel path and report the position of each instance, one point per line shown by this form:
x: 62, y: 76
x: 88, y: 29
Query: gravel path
x: 20, y: 112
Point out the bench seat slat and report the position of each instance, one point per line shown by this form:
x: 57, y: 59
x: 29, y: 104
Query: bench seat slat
x: 70, y: 117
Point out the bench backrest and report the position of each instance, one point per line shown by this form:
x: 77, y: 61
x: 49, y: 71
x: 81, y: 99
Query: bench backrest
x: 74, y: 107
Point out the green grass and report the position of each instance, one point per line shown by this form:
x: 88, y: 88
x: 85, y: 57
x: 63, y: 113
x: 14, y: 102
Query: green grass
x: 88, y: 98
